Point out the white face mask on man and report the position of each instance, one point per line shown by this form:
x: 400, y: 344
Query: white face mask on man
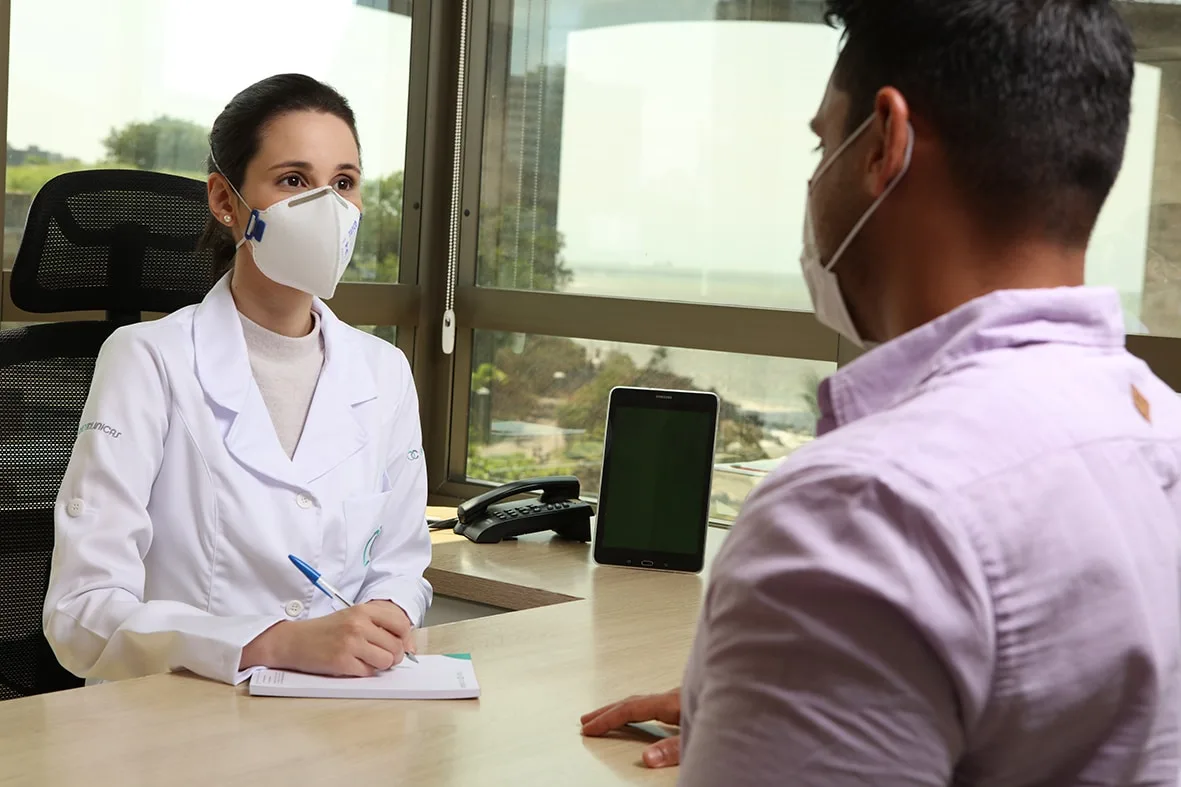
x: 828, y: 302
x: 305, y: 241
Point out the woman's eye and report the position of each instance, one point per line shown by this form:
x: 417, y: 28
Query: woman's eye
x: 344, y: 184
x: 294, y: 181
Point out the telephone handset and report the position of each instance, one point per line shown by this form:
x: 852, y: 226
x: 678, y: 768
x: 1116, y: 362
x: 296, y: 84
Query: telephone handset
x: 487, y: 520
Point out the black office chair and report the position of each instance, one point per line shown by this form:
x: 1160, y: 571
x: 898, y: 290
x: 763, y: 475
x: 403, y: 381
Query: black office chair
x: 118, y: 241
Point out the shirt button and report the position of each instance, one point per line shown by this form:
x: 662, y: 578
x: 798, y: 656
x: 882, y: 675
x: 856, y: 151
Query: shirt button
x: 303, y: 501
x: 75, y: 507
x: 293, y: 608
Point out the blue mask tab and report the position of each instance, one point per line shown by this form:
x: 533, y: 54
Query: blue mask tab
x: 255, y: 227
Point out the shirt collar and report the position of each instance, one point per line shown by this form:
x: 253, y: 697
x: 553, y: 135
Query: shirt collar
x: 1085, y: 316
x: 223, y: 361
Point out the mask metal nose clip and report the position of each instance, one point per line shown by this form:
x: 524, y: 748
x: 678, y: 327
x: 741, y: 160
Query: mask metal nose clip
x: 255, y: 227
x: 315, y: 194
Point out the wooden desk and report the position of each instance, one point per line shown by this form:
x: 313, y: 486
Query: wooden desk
x: 583, y: 635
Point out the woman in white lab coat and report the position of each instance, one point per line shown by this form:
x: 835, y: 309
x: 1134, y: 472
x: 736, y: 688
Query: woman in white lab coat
x: 227, y: 436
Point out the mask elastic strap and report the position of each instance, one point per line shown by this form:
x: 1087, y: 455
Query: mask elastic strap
x: 824, y: 165
x: 866, y: 216
x: 255, y: 226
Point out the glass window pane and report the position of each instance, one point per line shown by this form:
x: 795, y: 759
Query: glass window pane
x: 148, y: 102
x: 539, y: 407
x: 387, y: 332
x: 656, y: 150
x: 1144, y: 211
x: 652, y: 148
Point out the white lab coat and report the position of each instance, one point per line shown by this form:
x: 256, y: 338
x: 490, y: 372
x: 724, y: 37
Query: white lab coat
x: 179, y: 507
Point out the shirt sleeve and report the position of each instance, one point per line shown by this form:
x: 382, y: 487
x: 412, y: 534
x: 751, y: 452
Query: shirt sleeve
x: 402, y: 550
x: 95, y: 617
x: 845, y: 640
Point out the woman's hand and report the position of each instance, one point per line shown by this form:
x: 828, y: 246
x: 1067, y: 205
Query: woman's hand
x: 357, y: 642
x: 665, y: 708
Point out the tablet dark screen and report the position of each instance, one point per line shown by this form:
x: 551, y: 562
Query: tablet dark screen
x: 656, y: 478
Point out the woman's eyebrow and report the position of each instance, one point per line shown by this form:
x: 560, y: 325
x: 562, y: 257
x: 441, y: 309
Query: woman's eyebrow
x: 307, y: 165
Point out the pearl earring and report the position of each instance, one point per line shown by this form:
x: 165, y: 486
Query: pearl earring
x: 228, y: 219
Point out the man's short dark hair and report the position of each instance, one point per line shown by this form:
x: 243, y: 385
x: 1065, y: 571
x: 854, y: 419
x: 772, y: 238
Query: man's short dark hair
x: 1030, y: 98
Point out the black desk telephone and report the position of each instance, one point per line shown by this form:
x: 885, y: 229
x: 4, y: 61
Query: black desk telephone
x: 487, y: 520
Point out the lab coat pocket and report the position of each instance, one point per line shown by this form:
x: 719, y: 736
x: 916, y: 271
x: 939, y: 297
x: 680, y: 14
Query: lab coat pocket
x: 364, y: 519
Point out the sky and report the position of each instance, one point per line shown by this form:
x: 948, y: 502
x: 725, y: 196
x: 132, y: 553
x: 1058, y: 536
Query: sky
x: 687, y: 144
x: 80, y: 68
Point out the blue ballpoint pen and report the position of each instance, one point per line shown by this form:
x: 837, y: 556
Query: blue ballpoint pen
x: 327, y: 589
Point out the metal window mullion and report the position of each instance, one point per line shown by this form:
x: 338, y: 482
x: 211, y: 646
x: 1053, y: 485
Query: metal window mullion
x: 410, y: 248
x: 1162, y: 354
x: 5, y: 38
x: 413, y: 169
x: 433, y: 369
x: 695, y: 326
x: 847, y: 352
x: 469, y: 230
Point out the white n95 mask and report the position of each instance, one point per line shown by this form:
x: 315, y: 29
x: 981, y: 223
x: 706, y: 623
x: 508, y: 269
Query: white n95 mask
x: 828, y: 302
x: 305, y: 241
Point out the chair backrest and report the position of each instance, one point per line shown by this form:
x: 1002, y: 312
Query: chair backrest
x: 45, y: 373
x: 117, y: 241
x: 121, y: 241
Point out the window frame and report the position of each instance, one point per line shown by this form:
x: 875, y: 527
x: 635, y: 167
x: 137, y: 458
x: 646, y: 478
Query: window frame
x: 359, y: 303
x: 698, y: 326
x: 738, y: 329
x: 415, y: 303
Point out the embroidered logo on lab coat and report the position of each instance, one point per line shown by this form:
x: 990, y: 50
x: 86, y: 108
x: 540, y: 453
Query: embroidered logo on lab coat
x: 99, y: 426
x: 413, y: 454
x: 367, y: 552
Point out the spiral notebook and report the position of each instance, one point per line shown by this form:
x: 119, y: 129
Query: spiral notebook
x: 449, y: 677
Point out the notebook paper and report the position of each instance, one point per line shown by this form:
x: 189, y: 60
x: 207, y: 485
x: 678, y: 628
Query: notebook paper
x: 449, y: 677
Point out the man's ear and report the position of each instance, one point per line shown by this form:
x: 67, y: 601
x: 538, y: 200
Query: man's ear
x: 891, y: 132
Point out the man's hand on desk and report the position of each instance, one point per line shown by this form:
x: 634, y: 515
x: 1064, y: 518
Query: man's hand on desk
x: 665, y: 708
x: 356, y: 642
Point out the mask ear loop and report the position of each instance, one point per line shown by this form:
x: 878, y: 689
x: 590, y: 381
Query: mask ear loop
x: 255, y: 226
x: 841, y: 148
x: 872, y: 208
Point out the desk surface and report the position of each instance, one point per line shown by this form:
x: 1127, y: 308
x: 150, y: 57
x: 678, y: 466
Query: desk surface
x: 583, y: 635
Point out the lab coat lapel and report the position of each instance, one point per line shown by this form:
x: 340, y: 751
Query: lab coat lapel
x: 332, y: 432
x: 223, y: 369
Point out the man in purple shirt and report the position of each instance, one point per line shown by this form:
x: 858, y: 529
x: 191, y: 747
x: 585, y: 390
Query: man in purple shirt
x: 972, y: 576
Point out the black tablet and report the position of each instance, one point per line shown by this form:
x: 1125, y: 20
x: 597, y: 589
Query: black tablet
x: 658, y: 461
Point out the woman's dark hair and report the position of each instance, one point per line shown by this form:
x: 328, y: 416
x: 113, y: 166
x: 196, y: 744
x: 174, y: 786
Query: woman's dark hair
x: 236, y: 136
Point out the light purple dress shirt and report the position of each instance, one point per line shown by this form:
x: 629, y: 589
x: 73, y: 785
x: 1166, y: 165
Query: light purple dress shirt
x: 971, y: 577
